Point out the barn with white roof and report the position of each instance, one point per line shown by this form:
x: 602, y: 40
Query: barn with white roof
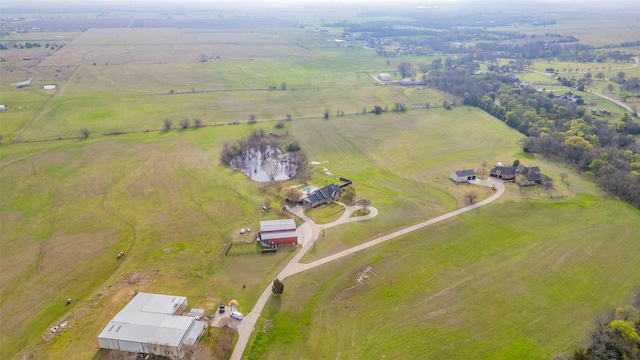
x: 278, y: 232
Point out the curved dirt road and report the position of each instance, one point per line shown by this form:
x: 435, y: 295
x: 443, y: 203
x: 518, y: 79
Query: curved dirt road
x: 308, y: 234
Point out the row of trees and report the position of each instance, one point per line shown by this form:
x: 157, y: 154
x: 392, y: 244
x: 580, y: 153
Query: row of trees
x: 167, y: 124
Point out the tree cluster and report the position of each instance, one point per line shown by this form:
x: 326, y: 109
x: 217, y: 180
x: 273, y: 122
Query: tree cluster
x: 616, y: 335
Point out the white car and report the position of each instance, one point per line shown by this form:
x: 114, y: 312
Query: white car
x: 236, y: 315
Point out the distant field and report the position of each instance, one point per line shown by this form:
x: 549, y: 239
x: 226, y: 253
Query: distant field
x: 608, y: 26
x: 214, y: 92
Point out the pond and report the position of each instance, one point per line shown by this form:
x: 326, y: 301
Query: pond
x: 272, y: 165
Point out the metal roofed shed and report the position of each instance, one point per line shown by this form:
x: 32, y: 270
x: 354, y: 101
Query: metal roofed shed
x: 277, y: 225
x: 278, y: 232
x: 149, y: 324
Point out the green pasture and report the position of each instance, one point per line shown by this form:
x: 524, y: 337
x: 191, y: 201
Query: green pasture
x: 21, y: 108
x: 325, y: 214
x: 162, y: 199
x: 220, y: 93
x: 498, y: 283
x: 402, y: 163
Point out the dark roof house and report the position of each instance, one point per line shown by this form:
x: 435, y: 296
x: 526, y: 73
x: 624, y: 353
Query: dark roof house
x: 503, y: 172
x: 531, y: 174
x: 325, y: 195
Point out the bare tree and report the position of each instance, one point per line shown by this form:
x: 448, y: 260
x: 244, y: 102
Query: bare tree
x: 471, y: 197
x: 326, y: 114
x: 184, y: 123
x: 84, y: 132
x: 563, y: 176
x: 252, y: 119
x: 283, y: 86
x: 197, y: 122
x: 289, y: 116
x: 365, y: 203
x: 203, y: 57
x: 166, y: 124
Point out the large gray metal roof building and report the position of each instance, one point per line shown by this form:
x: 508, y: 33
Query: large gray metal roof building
x: 149, y: 324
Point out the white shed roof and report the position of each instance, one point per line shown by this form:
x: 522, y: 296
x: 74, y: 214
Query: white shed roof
x: 277, y: 225
x: 148, y: 319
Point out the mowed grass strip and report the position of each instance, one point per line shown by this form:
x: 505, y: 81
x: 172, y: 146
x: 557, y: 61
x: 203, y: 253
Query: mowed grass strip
x: 502, y: 282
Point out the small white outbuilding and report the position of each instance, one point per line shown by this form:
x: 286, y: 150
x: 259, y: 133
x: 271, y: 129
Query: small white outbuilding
x: 463, y: 175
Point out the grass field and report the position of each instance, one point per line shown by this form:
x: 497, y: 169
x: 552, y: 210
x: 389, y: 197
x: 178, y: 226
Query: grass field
x: 500, y: 282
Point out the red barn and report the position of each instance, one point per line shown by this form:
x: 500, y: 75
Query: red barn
x: 278, y: 232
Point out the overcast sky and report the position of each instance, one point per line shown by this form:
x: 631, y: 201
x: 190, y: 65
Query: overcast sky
x: 511, y: 5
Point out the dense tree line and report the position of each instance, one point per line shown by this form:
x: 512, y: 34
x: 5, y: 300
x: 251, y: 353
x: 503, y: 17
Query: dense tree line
x: 555, y: 125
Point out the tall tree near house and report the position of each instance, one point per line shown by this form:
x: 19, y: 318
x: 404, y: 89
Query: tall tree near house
x: 292, y: 194
x: 600, y: 76
x: 348, y: 194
